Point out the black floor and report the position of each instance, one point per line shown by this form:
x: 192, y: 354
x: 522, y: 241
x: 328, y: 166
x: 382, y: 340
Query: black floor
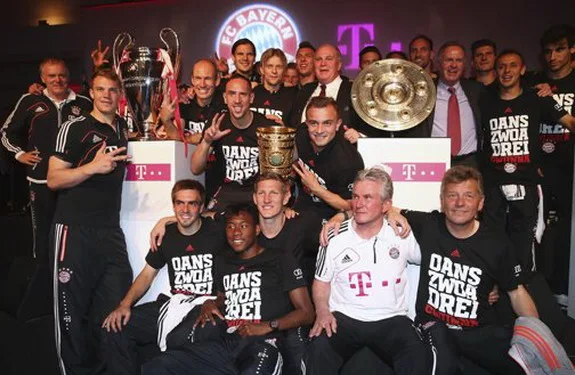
x: 27, y: 344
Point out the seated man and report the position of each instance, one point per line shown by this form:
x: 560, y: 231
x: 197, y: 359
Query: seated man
x: 261, y: 299
x: 359, y: 288
x: 327, y: 163
x: 462, y: 261
x: 189, y: 247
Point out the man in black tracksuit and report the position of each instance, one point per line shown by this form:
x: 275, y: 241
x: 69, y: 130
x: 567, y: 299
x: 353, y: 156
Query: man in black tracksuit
x: 91, y: 268
x: 30, y: 134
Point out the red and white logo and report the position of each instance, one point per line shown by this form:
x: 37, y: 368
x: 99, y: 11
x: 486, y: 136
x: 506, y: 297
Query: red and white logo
x: 265, y: 25
x: 148, y: 172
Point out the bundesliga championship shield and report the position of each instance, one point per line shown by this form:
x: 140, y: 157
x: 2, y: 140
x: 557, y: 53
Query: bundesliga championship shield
x: 393, y: 94
x: 146, y: 73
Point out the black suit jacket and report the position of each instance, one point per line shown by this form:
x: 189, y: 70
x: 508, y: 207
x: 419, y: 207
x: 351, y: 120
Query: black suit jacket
x: 473, y: 90
x: 343, y: 101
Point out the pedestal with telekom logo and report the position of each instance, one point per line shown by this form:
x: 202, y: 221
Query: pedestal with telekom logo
x: 146, y: 197
x: 416, y: 167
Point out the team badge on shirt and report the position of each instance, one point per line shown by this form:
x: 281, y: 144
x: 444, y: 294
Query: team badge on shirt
x: 394, y: 252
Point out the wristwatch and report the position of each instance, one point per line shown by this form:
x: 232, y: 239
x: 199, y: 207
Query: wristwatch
x: 275, y: 325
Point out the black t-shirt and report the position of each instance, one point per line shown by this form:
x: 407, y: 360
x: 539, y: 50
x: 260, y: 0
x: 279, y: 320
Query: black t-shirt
x: 458, y: 274
x: 189, y: 258
x: 95, y: 202
x: 555, y: 140
x: 257, y: 289
x: 278, y: 103
x: 511, y: 131
x: 300, y: 238
x: 237, y: 155
x: 335, y: 167
x: 196, y: 117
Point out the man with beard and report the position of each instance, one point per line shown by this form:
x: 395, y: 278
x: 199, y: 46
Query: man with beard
x: 327, y: 163
x: 483, y: 53
x: 558, y: 46
x: 272, y: 99
x: 304, y: 59
x: 511, y: 119
x: 189, y: 248
x: 232, y: 136
x: 421, y: 53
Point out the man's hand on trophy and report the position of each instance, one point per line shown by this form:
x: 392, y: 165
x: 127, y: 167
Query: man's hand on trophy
x: 213, y: 133
x: 35, y: 89
x: 278, y: 120
x: 99, y: 56
x: 168, y: 110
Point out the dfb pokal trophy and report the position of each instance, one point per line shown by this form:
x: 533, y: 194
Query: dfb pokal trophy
x: 148, y: 75
x: 276, y: 144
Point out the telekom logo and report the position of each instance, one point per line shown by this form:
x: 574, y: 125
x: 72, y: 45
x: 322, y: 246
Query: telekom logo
x: 148, y: 172
x: 353, y: 38
x: 415, y: 172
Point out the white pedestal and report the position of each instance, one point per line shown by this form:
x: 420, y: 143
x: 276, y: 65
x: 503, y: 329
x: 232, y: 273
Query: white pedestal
x: 146, y: 197
x: 416, y: 166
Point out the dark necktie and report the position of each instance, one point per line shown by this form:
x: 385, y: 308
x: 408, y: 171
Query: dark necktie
x: 453, y: 122
x: 322, y: 92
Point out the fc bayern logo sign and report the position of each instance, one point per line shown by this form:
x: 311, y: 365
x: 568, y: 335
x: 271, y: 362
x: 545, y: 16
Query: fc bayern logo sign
x: 265, y: 25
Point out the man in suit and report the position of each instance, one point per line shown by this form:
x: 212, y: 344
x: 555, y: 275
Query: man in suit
x: 456, y: 114
x: 327, y: 67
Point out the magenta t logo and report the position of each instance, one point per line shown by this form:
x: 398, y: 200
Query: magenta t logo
x: 352, y: 39
x: 362, y: 282
x: 148, y: 172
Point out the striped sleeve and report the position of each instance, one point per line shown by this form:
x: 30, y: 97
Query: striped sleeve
x: 14, y: 128
x: 65, y: 141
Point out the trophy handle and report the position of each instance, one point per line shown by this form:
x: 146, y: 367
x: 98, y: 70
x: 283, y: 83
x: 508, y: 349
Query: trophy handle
x: 123, y: 40
x: 173, y: 50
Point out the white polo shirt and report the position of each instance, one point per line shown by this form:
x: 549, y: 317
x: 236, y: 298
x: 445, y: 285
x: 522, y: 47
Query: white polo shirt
x: 368, y: 276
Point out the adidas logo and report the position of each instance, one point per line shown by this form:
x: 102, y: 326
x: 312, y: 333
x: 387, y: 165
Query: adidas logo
x: 39, y: 109
x: 508, y: 110
x: 240, y: 139
x: 267, y: 103
x: 455, y: 254
x: 346, y: 259
x: 96, y: 139
x: 190, y: 248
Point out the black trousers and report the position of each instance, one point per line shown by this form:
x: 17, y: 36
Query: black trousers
x: 394, y: 340
x: 519, y: 218
x: 484, y: 349
x: 558, y: 198
x: 291, y: 343
x: 121, y: 348
x: 42, y: 207
x: 91, y: 276
x: 230, y: 355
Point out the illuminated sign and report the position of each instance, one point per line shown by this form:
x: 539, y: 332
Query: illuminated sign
x: 265, y: 25
x: 353, y: 38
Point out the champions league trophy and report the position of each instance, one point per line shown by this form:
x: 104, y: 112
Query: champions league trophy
x: 148, y: 75
x: 276, y: 144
